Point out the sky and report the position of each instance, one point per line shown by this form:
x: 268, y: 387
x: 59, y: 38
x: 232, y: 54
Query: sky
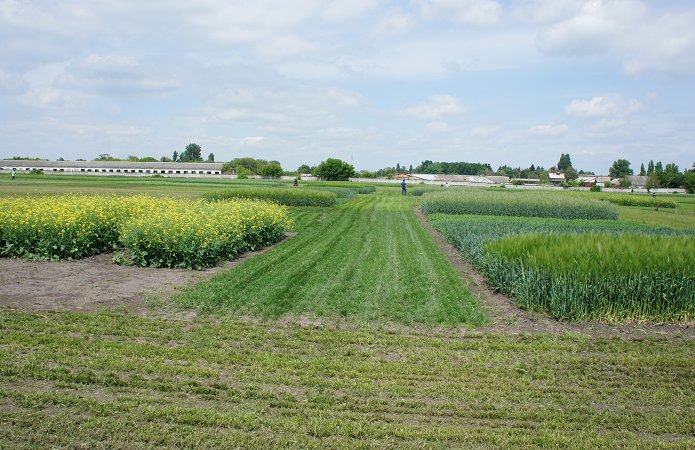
x: 372, y: 82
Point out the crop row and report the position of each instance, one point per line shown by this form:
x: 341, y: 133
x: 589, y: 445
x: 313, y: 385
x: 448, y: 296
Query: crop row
x: 596, y: 276
x: 288, y: 197
x: 158, y: 232
x: 512, y: 203
x: 638, y: 200
x: 571, y: 295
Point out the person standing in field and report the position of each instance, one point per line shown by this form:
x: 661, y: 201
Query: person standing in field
x: 403, y: 187
x: 14, y: 174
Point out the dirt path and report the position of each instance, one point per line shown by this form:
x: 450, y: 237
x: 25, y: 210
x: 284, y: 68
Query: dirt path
x: 506, y: 317
x: 96, y: 284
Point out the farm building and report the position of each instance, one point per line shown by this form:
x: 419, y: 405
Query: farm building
x: 114, y: 168
x: 556, y: 178
x: 593, y: 180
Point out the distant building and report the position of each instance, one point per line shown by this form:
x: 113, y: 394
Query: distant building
x: 556, y: 178
x: 126, y: 168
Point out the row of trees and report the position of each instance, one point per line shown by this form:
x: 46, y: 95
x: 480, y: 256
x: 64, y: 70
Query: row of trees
x: 660, y: 175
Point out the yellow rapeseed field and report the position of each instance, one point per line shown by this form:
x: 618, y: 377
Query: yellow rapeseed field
x: 160, y: 232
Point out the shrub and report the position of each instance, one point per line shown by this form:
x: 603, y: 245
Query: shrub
x: 515, y: 203
x: 595, y: 188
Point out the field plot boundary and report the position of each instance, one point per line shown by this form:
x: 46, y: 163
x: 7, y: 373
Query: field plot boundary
x: 96, y: 284
x: 506, y: 317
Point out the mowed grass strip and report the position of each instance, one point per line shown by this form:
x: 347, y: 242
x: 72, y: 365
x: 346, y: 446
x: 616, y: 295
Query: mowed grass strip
x: 369, y: 258
x: 74, y: 380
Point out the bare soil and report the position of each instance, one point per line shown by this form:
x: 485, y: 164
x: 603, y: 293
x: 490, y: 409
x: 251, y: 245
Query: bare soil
x: 97, y: 284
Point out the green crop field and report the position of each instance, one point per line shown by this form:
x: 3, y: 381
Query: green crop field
x: 616, y: 281
x: 355, y: 333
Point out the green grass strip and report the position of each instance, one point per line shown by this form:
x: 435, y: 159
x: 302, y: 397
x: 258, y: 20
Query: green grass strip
x: 369, y: 258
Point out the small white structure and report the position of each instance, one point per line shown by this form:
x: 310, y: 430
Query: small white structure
x: 556, y: 178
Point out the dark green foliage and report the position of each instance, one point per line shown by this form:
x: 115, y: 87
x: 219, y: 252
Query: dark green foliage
x: 620, y: 168
x: 273, y: 170
x: 453, y: 168
x: 334, y: 169
x: 193, y: 153
x: 564, y: 163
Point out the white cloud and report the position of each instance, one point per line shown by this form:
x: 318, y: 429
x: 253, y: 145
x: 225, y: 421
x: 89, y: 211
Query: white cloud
x: 469, y: 12
x: 548, y: 130
x: 437, y: 127
x: 435, y: 107
x: 545, y: 11
x: 346, y: 9
x: 394, y: 21
x: 602, y: 106
x: 644, y: 40
x: 115, y: 75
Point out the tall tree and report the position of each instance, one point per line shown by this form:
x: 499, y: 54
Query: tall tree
x: 211, y: 158
x: 650, y: 167
x: 659, y: 167
x: 192, y: 153
x: 564, y: 163
x: 620, y: 168
x: 410, y: 170
x: 334, y: 169
x: 642, y: 172
x: 175, y: 156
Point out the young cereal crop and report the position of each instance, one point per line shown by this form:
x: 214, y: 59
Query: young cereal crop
x: 288, y: 197
x: 526, y: 204
x: 597, y: 276
x: 470, y: 232
x: 200, y: 234
x: 638, y: 200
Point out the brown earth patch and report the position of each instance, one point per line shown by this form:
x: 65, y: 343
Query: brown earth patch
x: 97, y: 284
x: 506, y: 317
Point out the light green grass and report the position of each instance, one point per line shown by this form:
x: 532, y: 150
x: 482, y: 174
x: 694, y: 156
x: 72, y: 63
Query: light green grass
x: 117, y: 381
x: 369, y: 258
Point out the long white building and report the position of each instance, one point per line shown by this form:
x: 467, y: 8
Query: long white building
x: 127, y: 168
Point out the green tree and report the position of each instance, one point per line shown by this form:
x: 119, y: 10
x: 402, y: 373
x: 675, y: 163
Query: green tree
x: 334, y: 169
x: 652, y: 182
x: 689, y: 181
x: 175, y: 156
x: 659, y: 167
x: 642, y: 172
x: 193, y: 153
x: 620, y: 168
x: 564, y: 163
x: 211, y: 158
x: 571, y: 174
x: 650, y: 167
x: 304, y: 168
x: 410, y: 170
x: 272, y: 170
